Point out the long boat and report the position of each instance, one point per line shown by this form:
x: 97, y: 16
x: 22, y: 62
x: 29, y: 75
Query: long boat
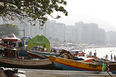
x: 31, y: 54
x: 43, y: 53
x: 40, y: 45
x: 25, y: 63
x: 69, y: 64
x: 12, y: 59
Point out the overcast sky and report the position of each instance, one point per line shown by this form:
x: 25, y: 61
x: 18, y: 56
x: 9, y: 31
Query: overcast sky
x: 102, y: 12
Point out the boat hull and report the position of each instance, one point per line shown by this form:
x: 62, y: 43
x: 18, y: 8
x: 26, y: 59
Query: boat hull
x: 44, y: 53
x: 20, y: 63
x: 66, y: 67
x: 35, y: 55
x: 67, y: 64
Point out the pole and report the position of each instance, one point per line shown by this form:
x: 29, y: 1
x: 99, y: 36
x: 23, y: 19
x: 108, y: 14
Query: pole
x: 45, y: 29
x: 24, y: 32
x: 64, y: 36
x: 109, y: 74
x: 24, y: 36
x: 108, y: 71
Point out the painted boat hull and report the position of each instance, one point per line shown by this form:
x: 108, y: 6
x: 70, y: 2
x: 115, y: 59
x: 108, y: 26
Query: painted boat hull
x: 21, y: 63
x: 66, y: 67
x: 31, y: 54
x: 67, y: 64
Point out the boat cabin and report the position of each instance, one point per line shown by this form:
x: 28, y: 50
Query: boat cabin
x: 77, y: 52
x: 11, y: 40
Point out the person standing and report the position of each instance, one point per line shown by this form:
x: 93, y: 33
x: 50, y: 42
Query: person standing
x: 106, y: 57
x: 111, y: 57
x: 95, y: 55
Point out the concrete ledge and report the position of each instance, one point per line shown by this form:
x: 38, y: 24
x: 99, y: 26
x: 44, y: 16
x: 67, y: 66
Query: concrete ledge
x: 61, y: 73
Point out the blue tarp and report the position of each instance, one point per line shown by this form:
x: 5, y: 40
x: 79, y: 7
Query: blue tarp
x: 26, y: 39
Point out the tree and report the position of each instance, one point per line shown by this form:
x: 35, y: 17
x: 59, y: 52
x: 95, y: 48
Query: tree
x: 7, y: 30
x: 31, y: 9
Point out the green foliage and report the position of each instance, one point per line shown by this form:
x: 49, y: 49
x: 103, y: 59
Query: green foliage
x: 6, y: 29
x: 31, y: 9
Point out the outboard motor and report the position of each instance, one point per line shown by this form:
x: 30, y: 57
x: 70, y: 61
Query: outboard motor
x: 9, y: 72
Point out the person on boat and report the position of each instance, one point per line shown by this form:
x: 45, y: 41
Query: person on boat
x: 20, y: 44
x: 43, y: 49
x: 14, y: 44
x: 83, y: 54
x: 10, y: 43
x: 90, y: 54
x: 5, y: 52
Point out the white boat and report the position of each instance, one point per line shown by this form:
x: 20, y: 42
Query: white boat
x: 12, y: 59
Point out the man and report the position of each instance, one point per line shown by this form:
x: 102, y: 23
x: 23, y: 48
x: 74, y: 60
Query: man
x: 111, y: 57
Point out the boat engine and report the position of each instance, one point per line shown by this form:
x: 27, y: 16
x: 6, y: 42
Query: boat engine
x: 11, y: 72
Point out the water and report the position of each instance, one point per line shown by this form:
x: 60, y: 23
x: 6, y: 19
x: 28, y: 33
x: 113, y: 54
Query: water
x: 101, y: 52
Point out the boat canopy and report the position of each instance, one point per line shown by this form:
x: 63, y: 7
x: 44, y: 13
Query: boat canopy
x: 76, y: 51
x: 39, y: 40
x: 11, y: 37
x: 25, y: 40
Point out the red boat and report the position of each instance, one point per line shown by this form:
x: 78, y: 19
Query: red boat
x: 78, y: 52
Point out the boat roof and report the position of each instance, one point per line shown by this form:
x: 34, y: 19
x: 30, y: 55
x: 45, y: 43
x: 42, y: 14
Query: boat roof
x: 76, y: 50
x: 11, y: 48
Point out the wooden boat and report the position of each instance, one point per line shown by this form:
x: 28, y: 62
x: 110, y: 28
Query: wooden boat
x: 67, y: 61
x: 12, y: 59
x: 38, y: 44
x: 68, y: 64
x: 32, y: 54
x: 25, y: 63
x: 80, y: 65
x: 78, y: 52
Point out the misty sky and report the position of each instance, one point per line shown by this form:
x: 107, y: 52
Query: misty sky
x: 102, y: 12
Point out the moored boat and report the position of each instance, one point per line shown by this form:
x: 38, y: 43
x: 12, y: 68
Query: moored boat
x: 12, y: 59
x: 39, y: 45
x: 25, y: 63
x: 80, y: 65
x: 32, y: 54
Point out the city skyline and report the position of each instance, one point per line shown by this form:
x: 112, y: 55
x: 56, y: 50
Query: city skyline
x: 79, y: 33
x: 90, y: 11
